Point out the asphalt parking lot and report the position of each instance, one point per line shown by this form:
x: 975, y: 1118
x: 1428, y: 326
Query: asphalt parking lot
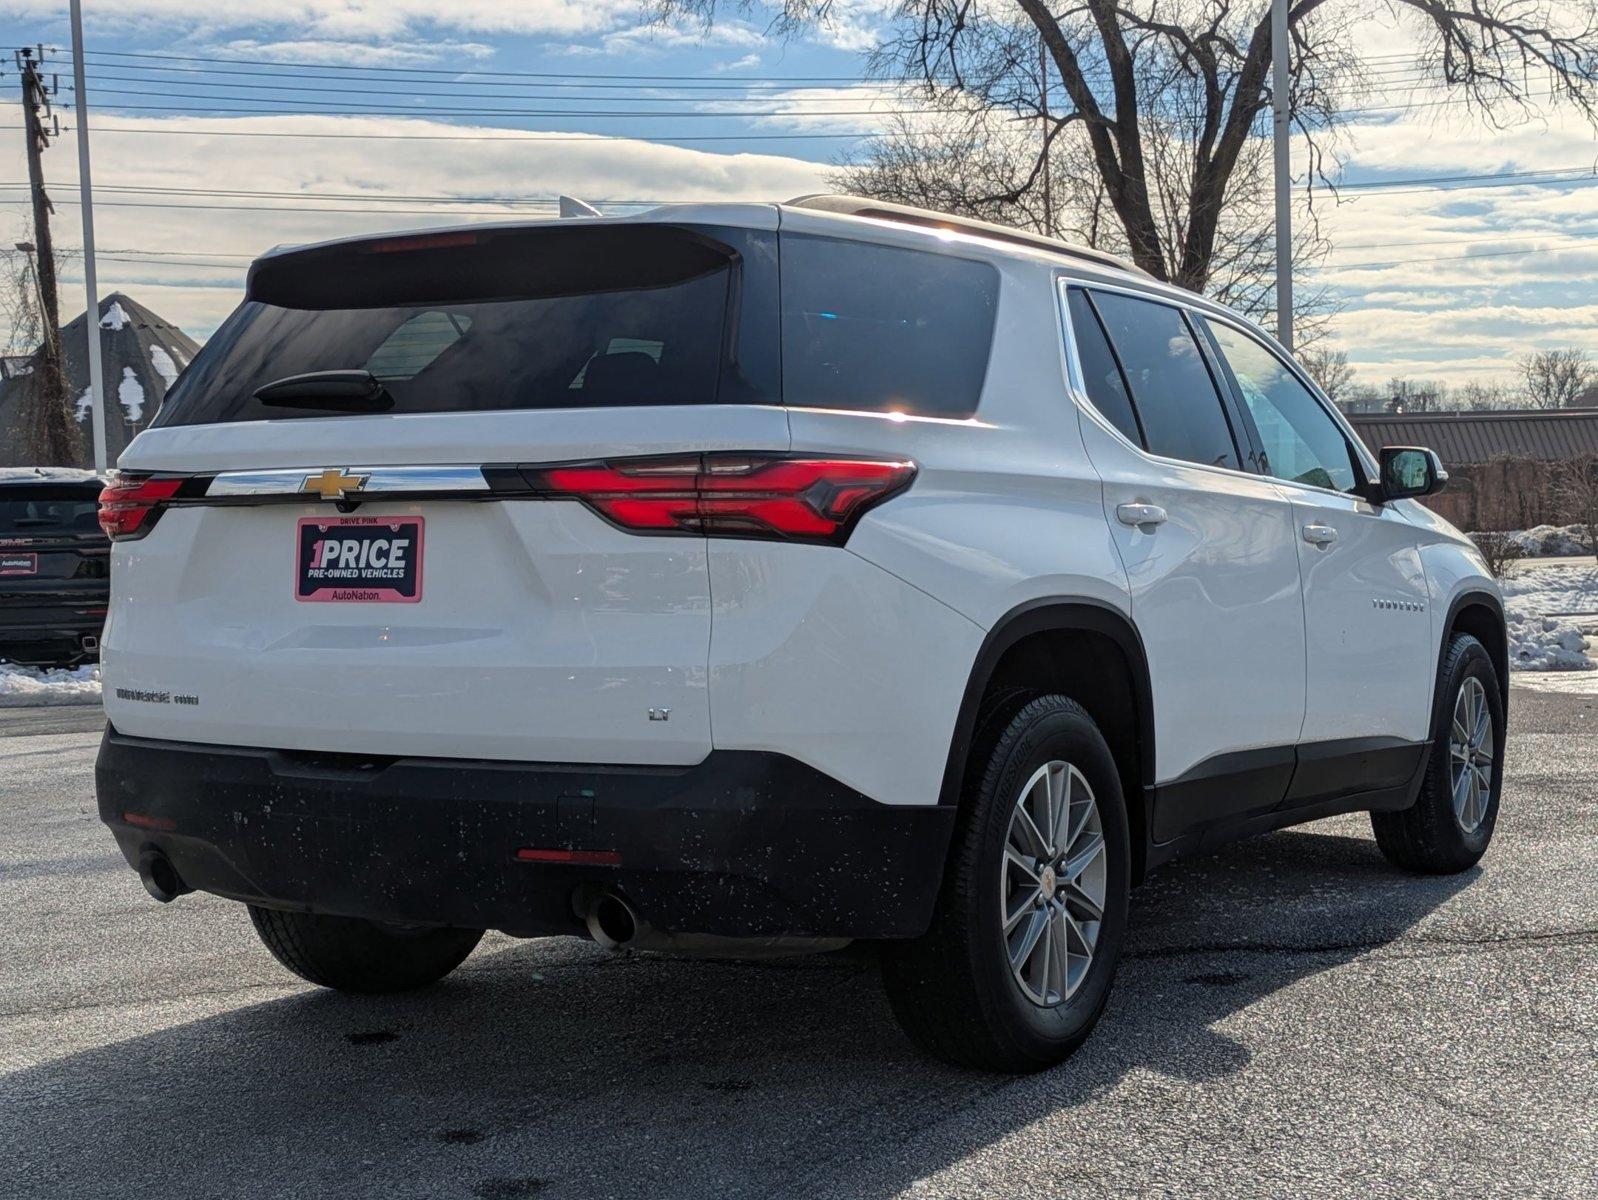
x: 1294, y: 1018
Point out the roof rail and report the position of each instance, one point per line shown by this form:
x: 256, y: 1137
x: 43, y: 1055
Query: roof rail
x: 905, y: 214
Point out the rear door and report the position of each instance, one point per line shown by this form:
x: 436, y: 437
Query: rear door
x: 328, y: 580
x: 1371, y: 662
x: 1210, y: 551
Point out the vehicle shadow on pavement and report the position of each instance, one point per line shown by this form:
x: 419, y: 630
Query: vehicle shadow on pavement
x: 550, y: 1068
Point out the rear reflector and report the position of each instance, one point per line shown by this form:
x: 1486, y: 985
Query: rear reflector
x: 588, y: 858
x: 129, y: 505
x: 146, y: 821
x: 761, y: 496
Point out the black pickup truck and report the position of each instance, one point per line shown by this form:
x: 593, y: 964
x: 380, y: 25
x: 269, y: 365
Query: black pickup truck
x: 54, y: 566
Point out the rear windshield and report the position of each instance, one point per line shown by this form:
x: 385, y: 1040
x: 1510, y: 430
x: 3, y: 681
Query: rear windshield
x: 42, y: 509
x: 566, y: 317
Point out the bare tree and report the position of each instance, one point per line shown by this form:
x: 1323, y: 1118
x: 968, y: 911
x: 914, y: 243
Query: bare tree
x: 1500, y: 551
x: 1556, y: 378
x: 1416, y: 395
x: 1330, y: 369
x: 1577, y: 492
x: 1202, y: 67
x: 21, y: 328
x: 983, y: 163
x: 1479, y: 396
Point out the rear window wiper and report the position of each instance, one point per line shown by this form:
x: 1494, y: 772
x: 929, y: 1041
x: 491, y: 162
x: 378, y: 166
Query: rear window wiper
x: 339, y: 391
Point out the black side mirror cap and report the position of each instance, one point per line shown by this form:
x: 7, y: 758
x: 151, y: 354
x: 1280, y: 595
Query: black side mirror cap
x: 1410, y: 472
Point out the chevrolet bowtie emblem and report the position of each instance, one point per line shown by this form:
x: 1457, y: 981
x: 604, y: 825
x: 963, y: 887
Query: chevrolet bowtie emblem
x: 333, y: 483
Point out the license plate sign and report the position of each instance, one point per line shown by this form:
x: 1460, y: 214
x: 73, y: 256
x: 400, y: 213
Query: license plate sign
x: 359, y: 560
x: 15, y: 563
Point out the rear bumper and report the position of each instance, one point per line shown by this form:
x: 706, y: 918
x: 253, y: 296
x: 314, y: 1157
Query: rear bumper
x: 742, y: 844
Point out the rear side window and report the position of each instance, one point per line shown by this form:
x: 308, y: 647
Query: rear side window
x: 559, y: 317
x: 884, y: 329
x: 1100, y: 372
x: 1177, y: 401
x: 42, y: 509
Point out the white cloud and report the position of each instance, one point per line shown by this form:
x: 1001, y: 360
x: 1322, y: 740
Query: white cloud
x: 358, y: 54
x: 354, y: 20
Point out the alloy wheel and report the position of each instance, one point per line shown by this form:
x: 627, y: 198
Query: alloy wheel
x: 1470, y: 755
x: 1052, y: 886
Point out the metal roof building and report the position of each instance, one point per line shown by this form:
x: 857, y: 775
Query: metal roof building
x: 143, y: 353
x: 1465, y: 438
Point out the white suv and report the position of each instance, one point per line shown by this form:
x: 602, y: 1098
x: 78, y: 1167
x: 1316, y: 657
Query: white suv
x: 754, y: 577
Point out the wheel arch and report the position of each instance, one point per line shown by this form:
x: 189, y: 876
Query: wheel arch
x: 1023, y: 654
x: 1480, y: 614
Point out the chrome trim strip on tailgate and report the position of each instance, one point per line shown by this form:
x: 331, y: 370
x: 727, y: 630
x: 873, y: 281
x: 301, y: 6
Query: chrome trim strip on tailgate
x: 290, y: 483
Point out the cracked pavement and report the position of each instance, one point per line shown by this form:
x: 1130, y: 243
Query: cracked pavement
x: 1293, y: 1017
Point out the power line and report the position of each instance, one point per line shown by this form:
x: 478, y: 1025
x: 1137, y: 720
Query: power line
x: 448, y: 71
x: 100, y: 74
x: 497, y: 112
x: 1374, y: 184
x: 466, y: 135
x: 546, y: 201
x: 1404, y: 262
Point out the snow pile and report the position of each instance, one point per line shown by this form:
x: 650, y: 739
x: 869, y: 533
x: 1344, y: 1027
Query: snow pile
x: 53, y: 474
x: 1545, y: 644
x: 115, y: 318
x: 85, y: 404
x: 28, y: 687
x: 1552, y: 541
x: 131, y: 395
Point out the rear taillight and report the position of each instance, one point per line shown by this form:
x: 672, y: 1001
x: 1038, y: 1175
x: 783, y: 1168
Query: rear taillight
x: 807, y: 499
x: 129, y: 505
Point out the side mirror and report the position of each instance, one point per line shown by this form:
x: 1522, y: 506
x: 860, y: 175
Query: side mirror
x: 1409, y: 472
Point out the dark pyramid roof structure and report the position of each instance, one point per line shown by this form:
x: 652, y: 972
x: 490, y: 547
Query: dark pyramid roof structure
x: 142, y: 353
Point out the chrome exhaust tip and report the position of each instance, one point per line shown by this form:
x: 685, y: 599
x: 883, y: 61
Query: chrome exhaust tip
x: 160, y: 877
x: 611, y: 921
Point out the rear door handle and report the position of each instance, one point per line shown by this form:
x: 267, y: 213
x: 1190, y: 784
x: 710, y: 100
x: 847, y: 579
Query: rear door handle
x: 1140, y: 515
x: 1320, y: 535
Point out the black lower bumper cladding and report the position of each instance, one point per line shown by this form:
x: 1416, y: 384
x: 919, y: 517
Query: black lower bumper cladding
x: 742, y: 844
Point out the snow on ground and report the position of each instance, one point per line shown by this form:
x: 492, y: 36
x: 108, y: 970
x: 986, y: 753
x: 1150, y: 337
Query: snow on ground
x: 1551, y: 541
x: 1540, y: 638
x: 28, y: 687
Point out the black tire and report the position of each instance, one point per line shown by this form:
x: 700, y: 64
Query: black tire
x: 952, y: 989
x: 1428, y: 837
x: 361, y: 956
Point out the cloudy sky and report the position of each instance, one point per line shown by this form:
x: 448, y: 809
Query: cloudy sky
x: 406, y: 113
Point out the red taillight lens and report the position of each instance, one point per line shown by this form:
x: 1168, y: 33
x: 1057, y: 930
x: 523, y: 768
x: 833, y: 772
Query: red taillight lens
x: 731, y: 496
x: 130, y: 505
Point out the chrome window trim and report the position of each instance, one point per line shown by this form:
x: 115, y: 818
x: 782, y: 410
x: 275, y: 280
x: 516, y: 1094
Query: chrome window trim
x: 1078, y: 382
x: 380, y: 481
x: 1209, y: 310
x: 1249, y: 329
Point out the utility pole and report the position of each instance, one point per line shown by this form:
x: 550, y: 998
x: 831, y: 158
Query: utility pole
x: 53, y: 430
x: 80, y: 95
x: 1043, y: 84
x: 1284, y: 194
